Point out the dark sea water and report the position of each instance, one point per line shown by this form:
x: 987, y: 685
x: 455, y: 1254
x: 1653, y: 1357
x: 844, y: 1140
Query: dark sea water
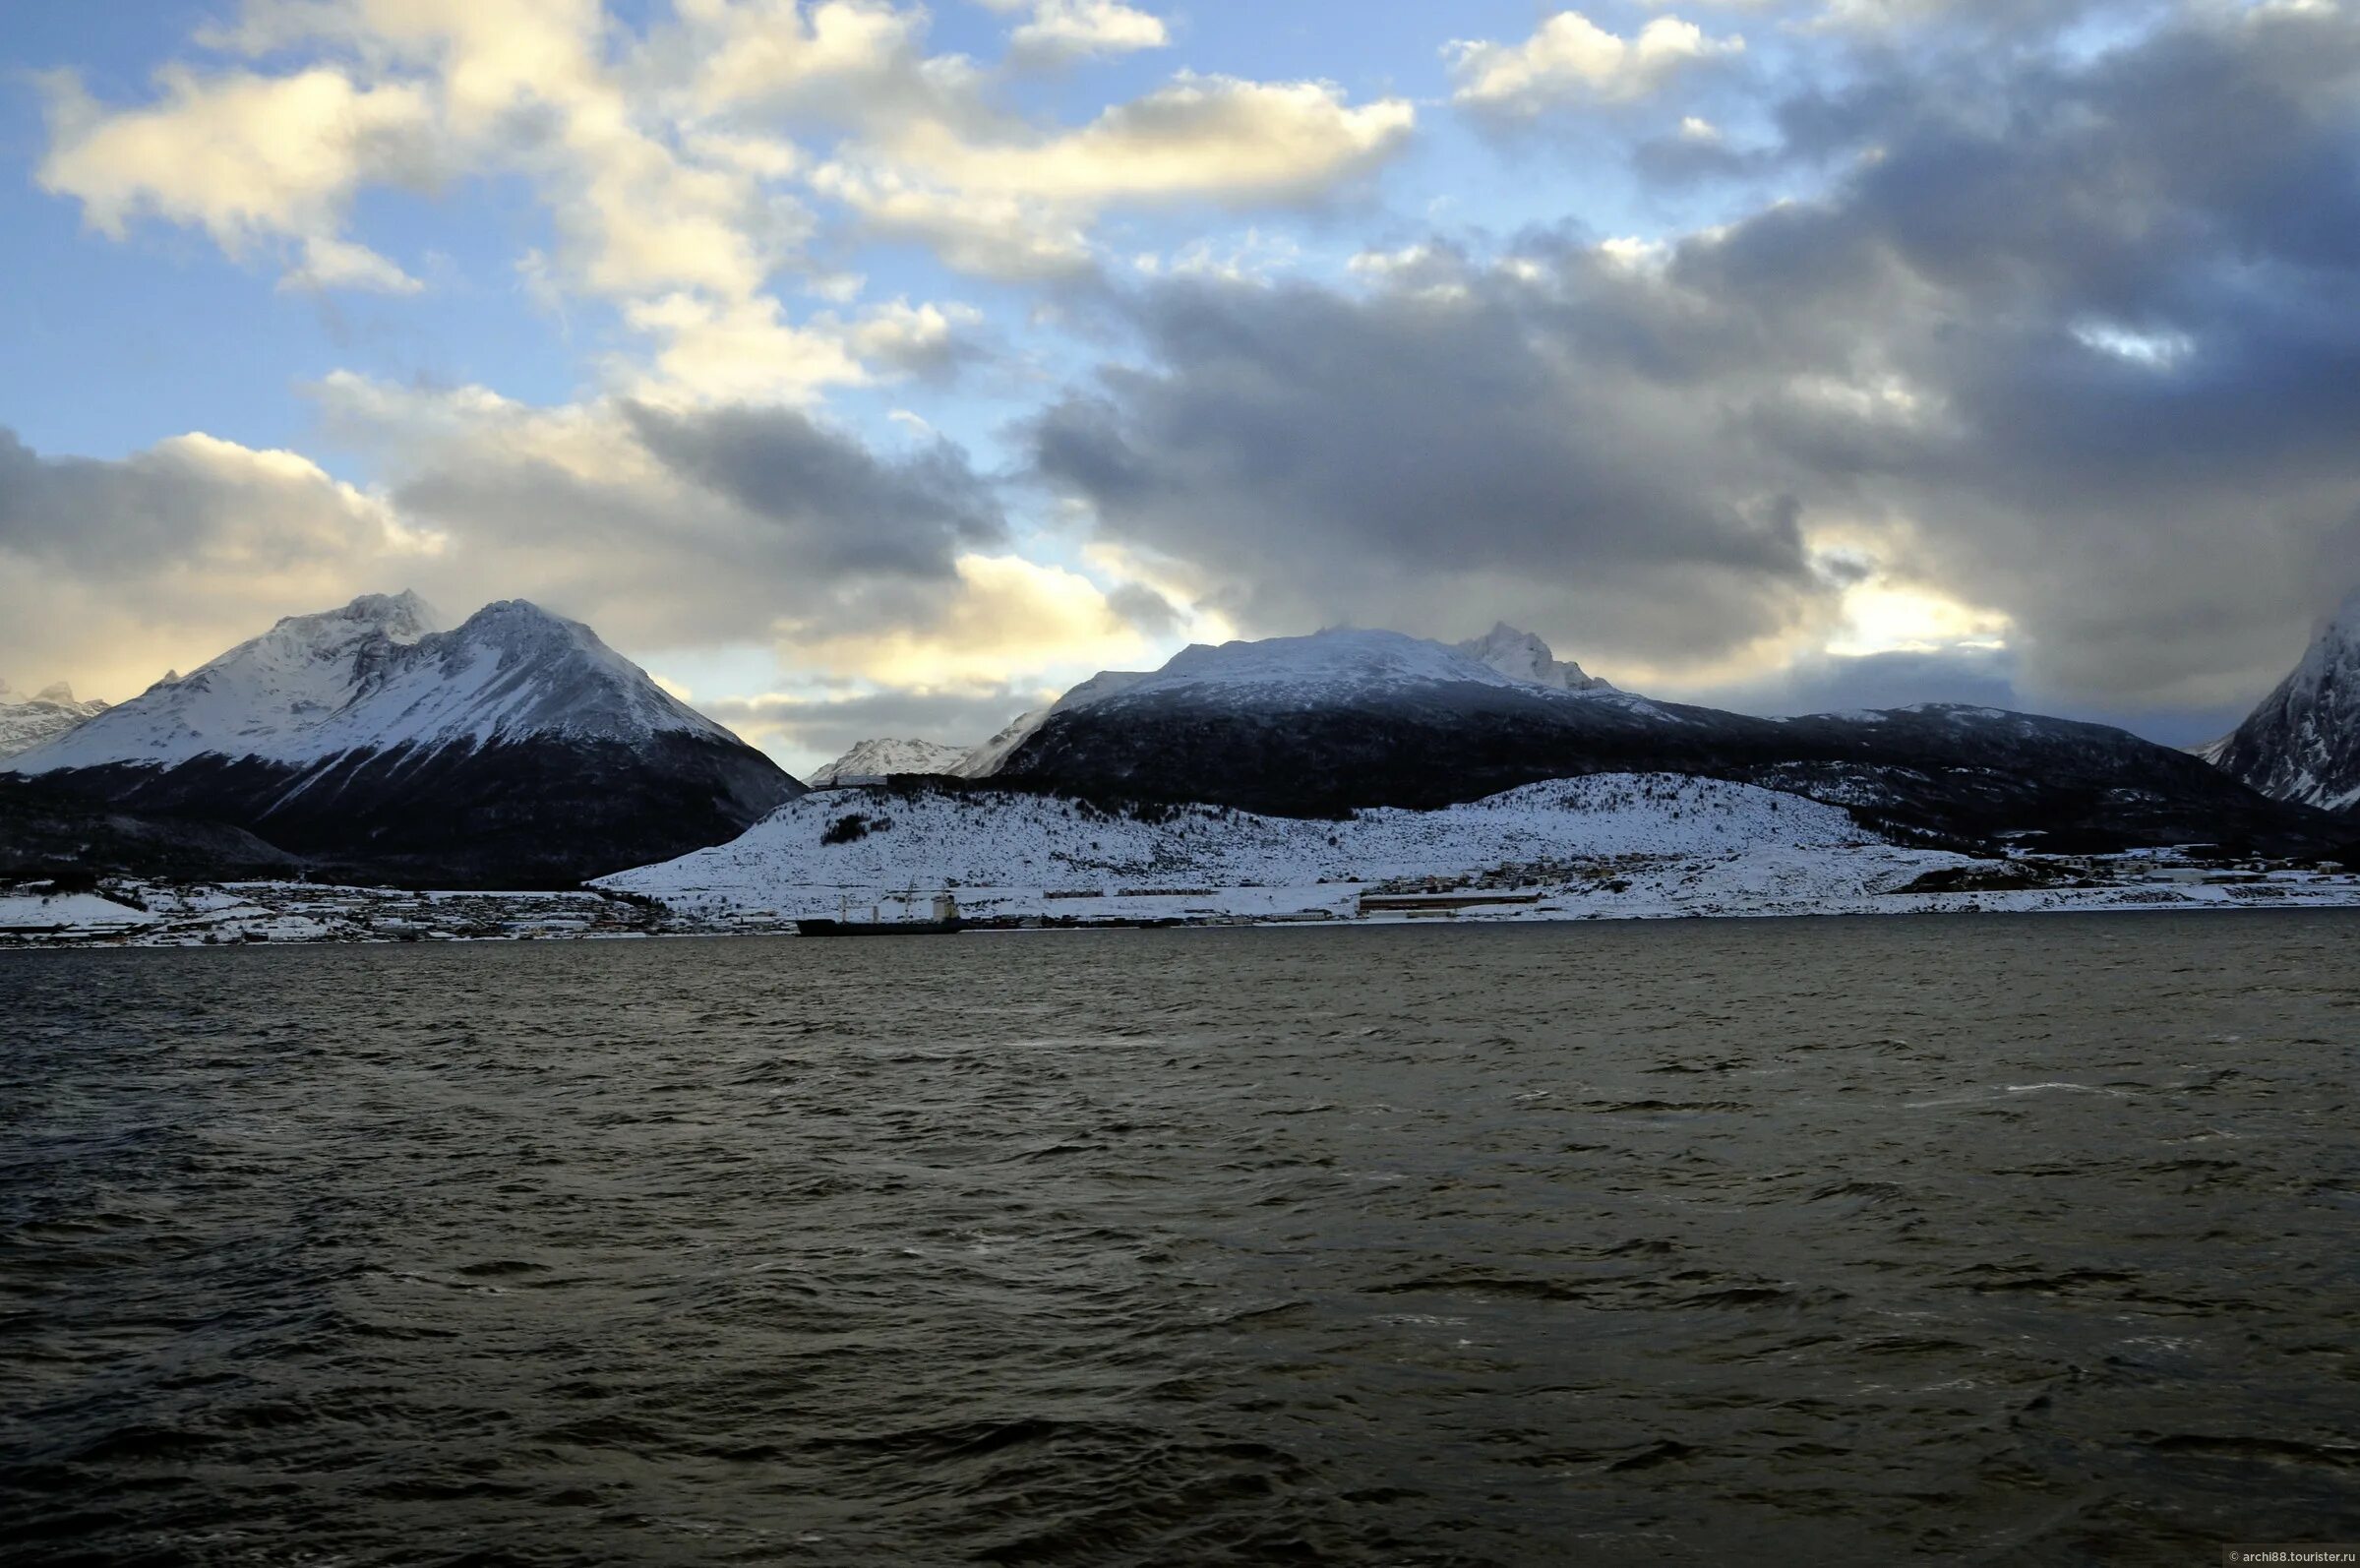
x: 1976, y: 1240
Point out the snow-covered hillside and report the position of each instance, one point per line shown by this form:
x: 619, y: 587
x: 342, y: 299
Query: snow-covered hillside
x: 377, y: 674
x: 29, y: 721
x: 1030, y: 847
x: 874, y: 761
x: 2302, y: 743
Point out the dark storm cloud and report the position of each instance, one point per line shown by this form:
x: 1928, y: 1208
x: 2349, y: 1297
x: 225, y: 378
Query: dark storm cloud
x: 2071, y: 341
x: 1973, y: 676
x: 847, y: 508
x: 1141, y: 607
x: 697, y: 526
x: 1831, y: 684
x: 1684, y: 159
x: 1316, y: 449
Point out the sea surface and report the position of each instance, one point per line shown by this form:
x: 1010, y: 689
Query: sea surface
x: 1840, y: 1241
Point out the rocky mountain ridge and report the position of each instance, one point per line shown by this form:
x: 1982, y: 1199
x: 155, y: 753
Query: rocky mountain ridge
x: 2302, y: 743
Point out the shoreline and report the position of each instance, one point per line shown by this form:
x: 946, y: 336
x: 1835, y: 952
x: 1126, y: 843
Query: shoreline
x: 261, y: 915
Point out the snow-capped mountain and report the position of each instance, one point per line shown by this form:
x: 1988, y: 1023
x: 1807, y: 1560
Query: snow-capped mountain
x: 28, y: 721
x: 1526, y: 657
x: 1505, y: 652
x: 2303, y: 741
x: 1350, y: 719
x: 513, y: 747
x: 381, y: 673
x: 1349, y: 664
x: 874, y: 761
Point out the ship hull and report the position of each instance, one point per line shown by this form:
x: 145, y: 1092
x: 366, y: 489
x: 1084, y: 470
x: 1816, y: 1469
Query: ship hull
x: 879, y: 928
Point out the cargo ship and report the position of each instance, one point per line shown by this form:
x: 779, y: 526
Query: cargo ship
x: 946, y: 922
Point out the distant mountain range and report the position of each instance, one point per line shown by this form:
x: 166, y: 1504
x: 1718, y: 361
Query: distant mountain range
x: 1324, y: 724
x: 516, y: 748
x: 513, y: 749
x: 28, y: 721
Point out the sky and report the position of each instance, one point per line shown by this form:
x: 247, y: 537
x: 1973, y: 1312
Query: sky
x: 864, y: 367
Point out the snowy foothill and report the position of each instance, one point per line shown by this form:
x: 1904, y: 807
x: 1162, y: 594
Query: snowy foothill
x: 1605, y: 846
x: 1009, y: 851
x: 41, y: 909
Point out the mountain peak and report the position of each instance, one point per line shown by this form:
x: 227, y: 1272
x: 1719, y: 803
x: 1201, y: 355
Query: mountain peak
x: 403, y: 617
x: 514, y: 619
x: 1523, y: 656
x: 872, y: 761
x: 29, y: 721
x: 2342, y: 627
x: 2303, y: 741
x: 1337, y: 657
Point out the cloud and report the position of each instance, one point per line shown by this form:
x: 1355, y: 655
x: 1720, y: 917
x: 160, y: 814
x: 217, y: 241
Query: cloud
x: 1644, y: 449
x: 839, y: 508
x: 1432, y: 456
x: 772, y: 54
x: 251, y: 160
x: 666, y: 527
x: 1060, y: 30
x: 115, y: 570
x: 420, y: 92
x: 676, y: 526
x: 1571, y: 60
x: 996, y: 236
x: 1017, y: 201
x: 826, y: 726
x: 1006, y: 616
x: 1200, y: 137
x: 678, y: 158
x: 333, y: 264
x: 1833, y: 684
